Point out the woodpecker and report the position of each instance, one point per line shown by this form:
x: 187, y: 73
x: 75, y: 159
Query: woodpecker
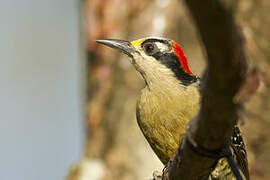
x: 170, y: 99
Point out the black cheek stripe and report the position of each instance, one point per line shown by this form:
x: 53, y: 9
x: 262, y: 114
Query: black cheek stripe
x: 171, y: 61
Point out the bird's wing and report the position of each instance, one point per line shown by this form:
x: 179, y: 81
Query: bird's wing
x: 239, y: 150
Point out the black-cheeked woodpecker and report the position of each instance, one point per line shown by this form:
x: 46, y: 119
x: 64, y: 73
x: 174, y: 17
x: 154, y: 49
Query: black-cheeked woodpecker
x: 170, y: 99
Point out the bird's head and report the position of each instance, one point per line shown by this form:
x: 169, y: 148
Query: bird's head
x: 157, y: 59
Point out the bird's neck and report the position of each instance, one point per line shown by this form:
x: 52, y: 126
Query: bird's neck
x: 171, y: 98
x: 166, y: 83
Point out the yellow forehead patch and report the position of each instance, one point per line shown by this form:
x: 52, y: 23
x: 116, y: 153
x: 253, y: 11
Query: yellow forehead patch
x: 137, y: 42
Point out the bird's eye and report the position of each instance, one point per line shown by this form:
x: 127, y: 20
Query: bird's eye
x: 150, y: 48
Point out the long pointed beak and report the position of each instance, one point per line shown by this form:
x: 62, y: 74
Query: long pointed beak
x: 124, y: 46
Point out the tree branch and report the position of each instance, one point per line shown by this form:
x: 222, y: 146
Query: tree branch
x: 212, y: 127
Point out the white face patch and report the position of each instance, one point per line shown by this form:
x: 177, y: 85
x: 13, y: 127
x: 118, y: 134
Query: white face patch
x: 155, y: 73
x: 162, y: 47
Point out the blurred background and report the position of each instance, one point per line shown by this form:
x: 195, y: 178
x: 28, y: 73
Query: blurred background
x: 68, y: 104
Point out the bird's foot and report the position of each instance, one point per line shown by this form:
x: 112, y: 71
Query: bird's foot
x: 157, y: 175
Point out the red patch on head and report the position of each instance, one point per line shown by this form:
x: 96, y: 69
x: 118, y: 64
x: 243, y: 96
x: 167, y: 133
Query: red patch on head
x: 178, y: 51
